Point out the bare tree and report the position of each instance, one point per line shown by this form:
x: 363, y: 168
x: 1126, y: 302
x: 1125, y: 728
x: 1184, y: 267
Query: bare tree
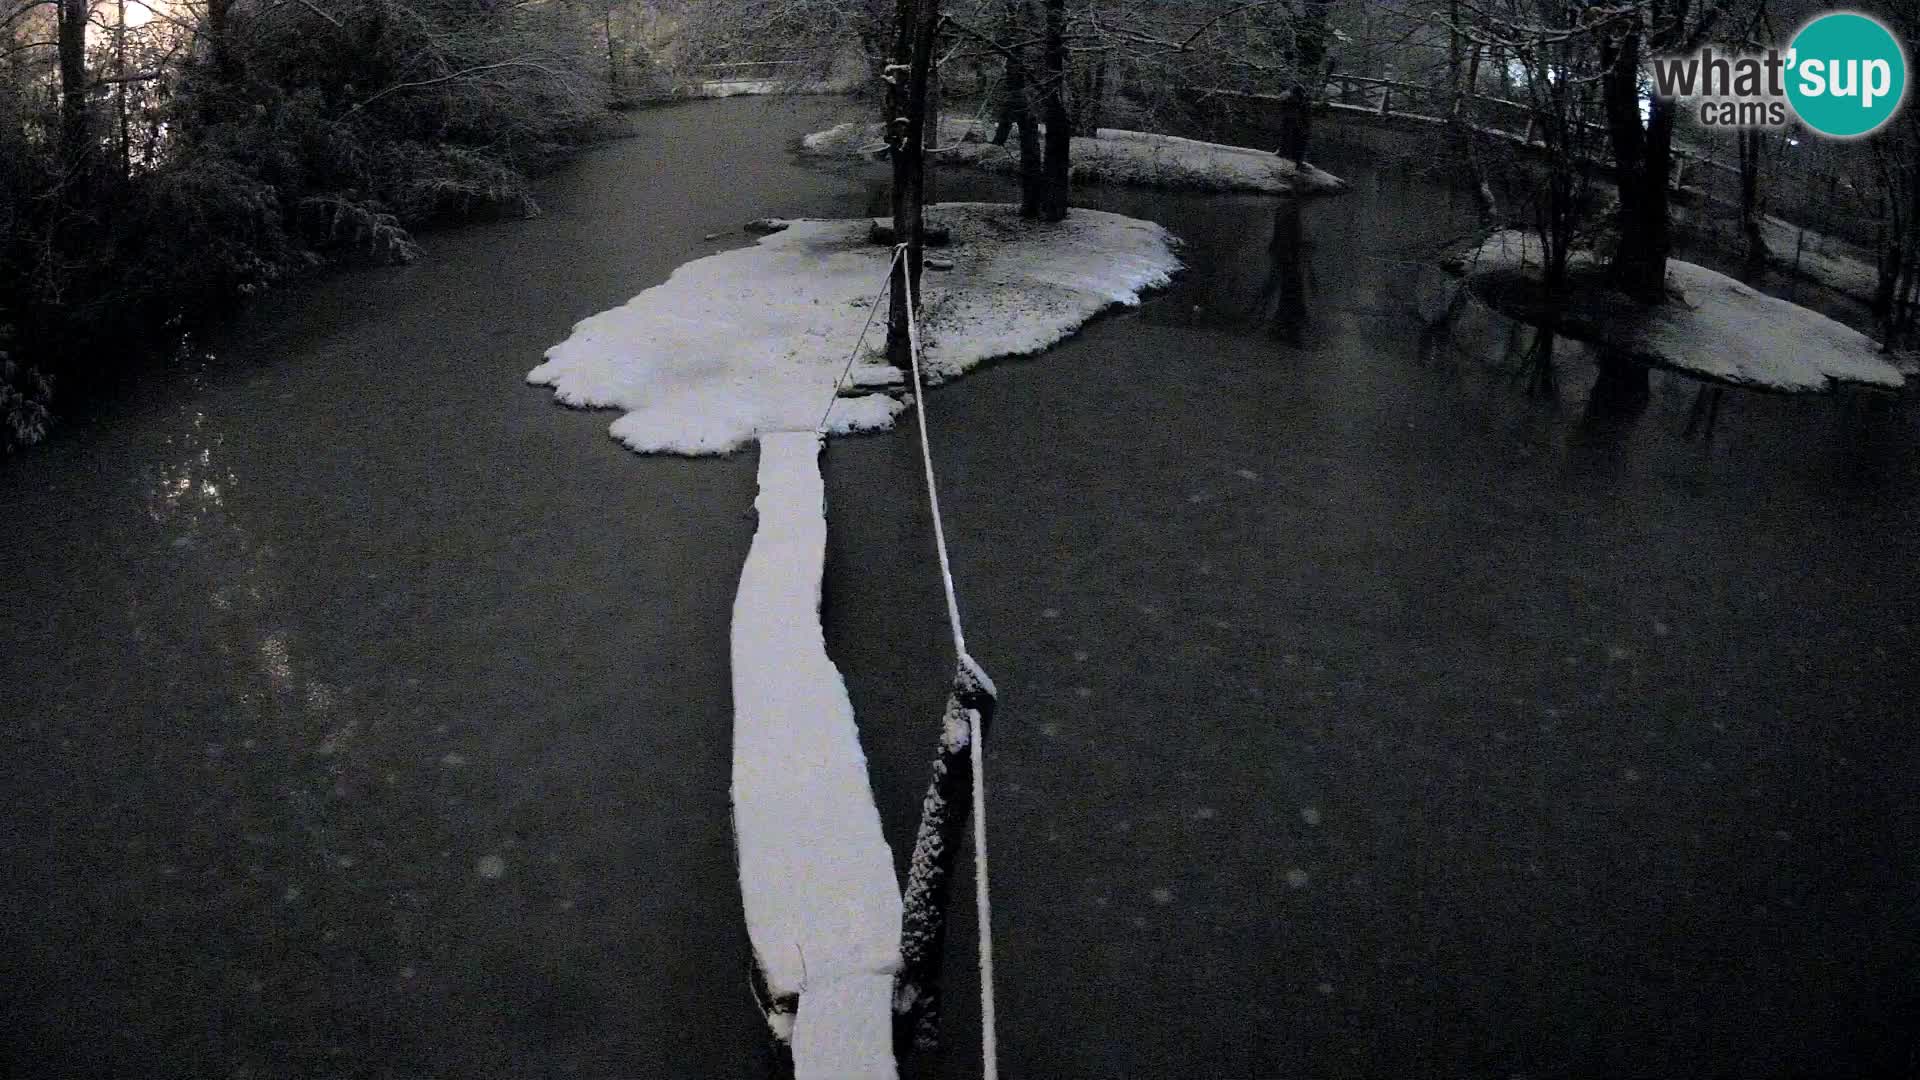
x: 1643, y: 149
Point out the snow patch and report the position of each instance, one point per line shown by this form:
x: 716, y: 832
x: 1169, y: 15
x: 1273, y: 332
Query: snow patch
x: 1844, y: 267
x: 844, y: 1029
x: 816, y: 875
x: 1114, y: 156
x: 753, y: 340
x: 1716, y: 328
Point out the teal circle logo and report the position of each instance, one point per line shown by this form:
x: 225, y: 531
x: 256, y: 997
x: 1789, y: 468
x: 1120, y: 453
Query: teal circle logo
x: 1846, y: 74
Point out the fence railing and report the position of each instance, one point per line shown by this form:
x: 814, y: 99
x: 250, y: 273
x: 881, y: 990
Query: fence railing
x: 1819, y: 198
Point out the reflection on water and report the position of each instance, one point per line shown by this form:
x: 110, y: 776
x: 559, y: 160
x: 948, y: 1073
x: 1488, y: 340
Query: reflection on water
x: 1285, y: 295
x: 262, y: 690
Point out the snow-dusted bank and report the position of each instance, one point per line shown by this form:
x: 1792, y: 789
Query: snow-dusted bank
x: 1715, y: 329
x: 816, y: 875
x: 1115, y: 156
x: 752, y: 340
x: 726, y: 88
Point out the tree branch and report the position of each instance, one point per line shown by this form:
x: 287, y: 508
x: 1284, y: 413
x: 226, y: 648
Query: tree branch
x: 479, y: 69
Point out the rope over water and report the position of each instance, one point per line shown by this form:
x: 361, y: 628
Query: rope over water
x: 989, y: 1064
x: 989, y: 1042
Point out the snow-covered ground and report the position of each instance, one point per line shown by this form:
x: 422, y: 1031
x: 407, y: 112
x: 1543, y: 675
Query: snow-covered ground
x: 753, y: 340
x: 816, y: 875
x: 1824, y: 259
x: 720, y: 88
x: 1715, y: 328
x: 1830, y: 261
x: 724, y: 88
x: 1115, y: 157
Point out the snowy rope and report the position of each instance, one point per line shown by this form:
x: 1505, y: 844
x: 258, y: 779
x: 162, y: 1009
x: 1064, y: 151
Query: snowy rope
x: 821, y: 427
x: 926, y: 458
x: 989, y: 1050
x: 989, y: 1064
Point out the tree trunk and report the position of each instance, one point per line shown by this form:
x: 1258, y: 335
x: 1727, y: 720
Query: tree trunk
x: 73, y: 81
x: 1750, y: 146
x: 1093, y: 110
x: 218, y: 46
x: 1642, y: 159
x: 1473, y: 79
x: 936, y: 101
x: 1031, y: 181
x: 120, y: 90
x: 906, y: 142
x: 1891, y: 255
x: 904, y: 182
x: 613, y: 64
x: 1059, y: 126
x: 1309, y: 62
x: 1900, y: 314
x: 1295, y: 123
x: 1005, y: 112
x: 1021, y: 108
x: 1455, y: 52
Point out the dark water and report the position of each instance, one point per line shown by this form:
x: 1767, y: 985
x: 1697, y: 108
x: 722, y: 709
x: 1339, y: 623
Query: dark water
x: 1364, y: 714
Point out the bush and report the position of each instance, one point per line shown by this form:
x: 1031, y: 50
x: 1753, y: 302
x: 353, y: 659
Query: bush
x: 24, y: 394
x: 314, y: 134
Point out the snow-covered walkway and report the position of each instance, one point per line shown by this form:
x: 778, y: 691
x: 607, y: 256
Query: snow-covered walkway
x: 816, y: 875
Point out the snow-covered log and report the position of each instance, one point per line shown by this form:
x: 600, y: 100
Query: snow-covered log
x: 943, y: 824
x: 816, y: 876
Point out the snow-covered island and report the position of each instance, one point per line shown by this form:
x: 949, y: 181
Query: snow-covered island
x: 1115, y: 156
x: 755, y: 339
x: 761, y: 342
x: 1712, y: 327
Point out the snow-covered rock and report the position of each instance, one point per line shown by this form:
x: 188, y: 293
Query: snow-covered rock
x: 753, y: 340
x: 1116, y: 156
x: 1712, y: 327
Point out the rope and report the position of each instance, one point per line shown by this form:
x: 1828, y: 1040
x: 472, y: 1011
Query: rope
x: 989, y: 1057
x: 926, y: 457
x: 989, y: 1048
x: 974, y: 124
x: 821, y: 427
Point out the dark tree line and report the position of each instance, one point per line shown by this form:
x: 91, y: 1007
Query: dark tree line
x: 159, y: 162
x: 1056, y: 69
